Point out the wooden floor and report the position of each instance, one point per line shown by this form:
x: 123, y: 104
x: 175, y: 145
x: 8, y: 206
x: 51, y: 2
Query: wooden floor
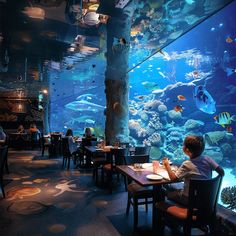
x: 41, y: 199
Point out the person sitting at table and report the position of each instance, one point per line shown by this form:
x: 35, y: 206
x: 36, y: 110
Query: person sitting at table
x: 71, y: 141
x: 33, y: 129
x: 198, y: 166
x: 87, y: 133
x: 21, y: 129
x: 3, y: 136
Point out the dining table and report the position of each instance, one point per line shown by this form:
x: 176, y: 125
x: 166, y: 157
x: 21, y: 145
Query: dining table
x: 144, y: 176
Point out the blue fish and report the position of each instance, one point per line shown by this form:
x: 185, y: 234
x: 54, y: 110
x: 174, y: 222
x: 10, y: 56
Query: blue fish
x: 204, y: 100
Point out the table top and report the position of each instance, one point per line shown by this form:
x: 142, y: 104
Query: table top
x: 94, y: 149
x: 140, y: 176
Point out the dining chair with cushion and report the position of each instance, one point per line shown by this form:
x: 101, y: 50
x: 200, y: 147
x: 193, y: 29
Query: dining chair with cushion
x: 201, y: 209
x: 115, y: 157
x: 86, y: 155
x: 66, y: 153
x: 3, y: 158
x: 137, y: 194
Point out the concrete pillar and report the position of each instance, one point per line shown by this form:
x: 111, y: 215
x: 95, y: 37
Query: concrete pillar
x: 116, y: 77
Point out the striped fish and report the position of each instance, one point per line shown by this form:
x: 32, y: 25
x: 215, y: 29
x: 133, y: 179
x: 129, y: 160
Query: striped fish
x: 224, y: 118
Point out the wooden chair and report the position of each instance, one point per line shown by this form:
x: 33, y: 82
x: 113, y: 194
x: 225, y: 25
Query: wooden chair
x: 201, y: 209
x: 138, y: 195
x: 55, y: 144
x: 66, y: 153
x: 3, y: 159
x: 116, y: 157
x: 45, y: 143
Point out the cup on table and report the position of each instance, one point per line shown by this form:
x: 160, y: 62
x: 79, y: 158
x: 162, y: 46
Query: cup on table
x: 137, y: 166
x: 155, y: 165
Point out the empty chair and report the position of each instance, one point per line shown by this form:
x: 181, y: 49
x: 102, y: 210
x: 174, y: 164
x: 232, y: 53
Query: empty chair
x: 201, y: 209
x: 137, y: 194
x: 3, y: 158
x: 66, y: 153
x: 141, y: 150
x: 116, y: 157
x: 55, y: 144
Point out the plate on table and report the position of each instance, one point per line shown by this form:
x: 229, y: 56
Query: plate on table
x: 154, y: 177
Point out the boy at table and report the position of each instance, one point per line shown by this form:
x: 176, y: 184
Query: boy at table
x: 198, y: 166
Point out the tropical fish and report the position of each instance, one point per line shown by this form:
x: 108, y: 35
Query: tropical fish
x: 224, y: 118
x: 229, y: 129
x: 181, y: 97
x: 178, y: 108
x: 229, y: 40
x: 230, y: 71
x: 139, y: 97
x: 150, y: 85
x: 204, y: 100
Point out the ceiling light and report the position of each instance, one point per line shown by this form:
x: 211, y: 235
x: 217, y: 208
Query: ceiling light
x: 34, y: 12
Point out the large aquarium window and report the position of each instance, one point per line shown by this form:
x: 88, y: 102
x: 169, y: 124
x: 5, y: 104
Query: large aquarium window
x: 189, y: 87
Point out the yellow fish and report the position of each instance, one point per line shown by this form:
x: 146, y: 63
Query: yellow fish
x: 224, y: 118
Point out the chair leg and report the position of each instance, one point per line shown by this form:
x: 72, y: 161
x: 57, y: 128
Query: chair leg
x: 128, y: 204
x: 6, y: 167
x: 146, y: 205
x: 135, y: 209
x: 2, y: 187
x: 187, y: 230
x: 68, y: 165
x: 125, y: 181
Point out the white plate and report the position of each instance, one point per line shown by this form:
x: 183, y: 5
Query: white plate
x: 154, y: 177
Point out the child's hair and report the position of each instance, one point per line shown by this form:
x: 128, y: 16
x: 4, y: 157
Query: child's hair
x: 195, y: 145
x: 69, y: 132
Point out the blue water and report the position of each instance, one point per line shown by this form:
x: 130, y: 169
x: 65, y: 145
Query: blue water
x: 205, y: 56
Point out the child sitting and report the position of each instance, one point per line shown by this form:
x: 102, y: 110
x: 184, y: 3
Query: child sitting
x: 198, y: 167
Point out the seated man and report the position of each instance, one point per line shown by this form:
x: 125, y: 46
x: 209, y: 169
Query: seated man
x: 198, y: 167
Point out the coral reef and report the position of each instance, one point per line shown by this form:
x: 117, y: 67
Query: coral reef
x: 228, y: 197
x: 162, y: 108
x: 213, y: 138
x: 193, y: 124
x: 174, y: 115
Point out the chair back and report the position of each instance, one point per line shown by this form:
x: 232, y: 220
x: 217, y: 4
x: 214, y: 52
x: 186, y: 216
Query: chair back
x: 130, y: 160
x: 65, y: 147
x: 55, y: 138
x: 118, y: 156
x: 142, y: 150
x: 89, y: 141
x: 124, y: 145
x: 3, y: 158
x: 203, y: 196
x: 34, y: 136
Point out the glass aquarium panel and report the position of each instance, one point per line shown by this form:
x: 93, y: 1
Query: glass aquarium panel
x: 189, y: 88
x: 158, y: 23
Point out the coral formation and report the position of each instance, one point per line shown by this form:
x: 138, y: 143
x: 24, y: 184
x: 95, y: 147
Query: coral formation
x: 174, y: 115
x: 193, y: 124
x: 213, y: 138
x: 228, y: 197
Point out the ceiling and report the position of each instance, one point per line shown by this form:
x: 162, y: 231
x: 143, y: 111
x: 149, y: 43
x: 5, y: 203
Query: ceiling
x: 34, y: 42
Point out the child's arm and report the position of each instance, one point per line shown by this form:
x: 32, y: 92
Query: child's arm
x: 171, y: 174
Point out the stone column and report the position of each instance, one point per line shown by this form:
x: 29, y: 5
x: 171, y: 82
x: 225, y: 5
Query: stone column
x: 116, y: 77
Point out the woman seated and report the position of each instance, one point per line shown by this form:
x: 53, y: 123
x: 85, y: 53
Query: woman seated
x: 21, y: 129
x: 71, y: 141
x: 3, y: 136
x: 74, y: 150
